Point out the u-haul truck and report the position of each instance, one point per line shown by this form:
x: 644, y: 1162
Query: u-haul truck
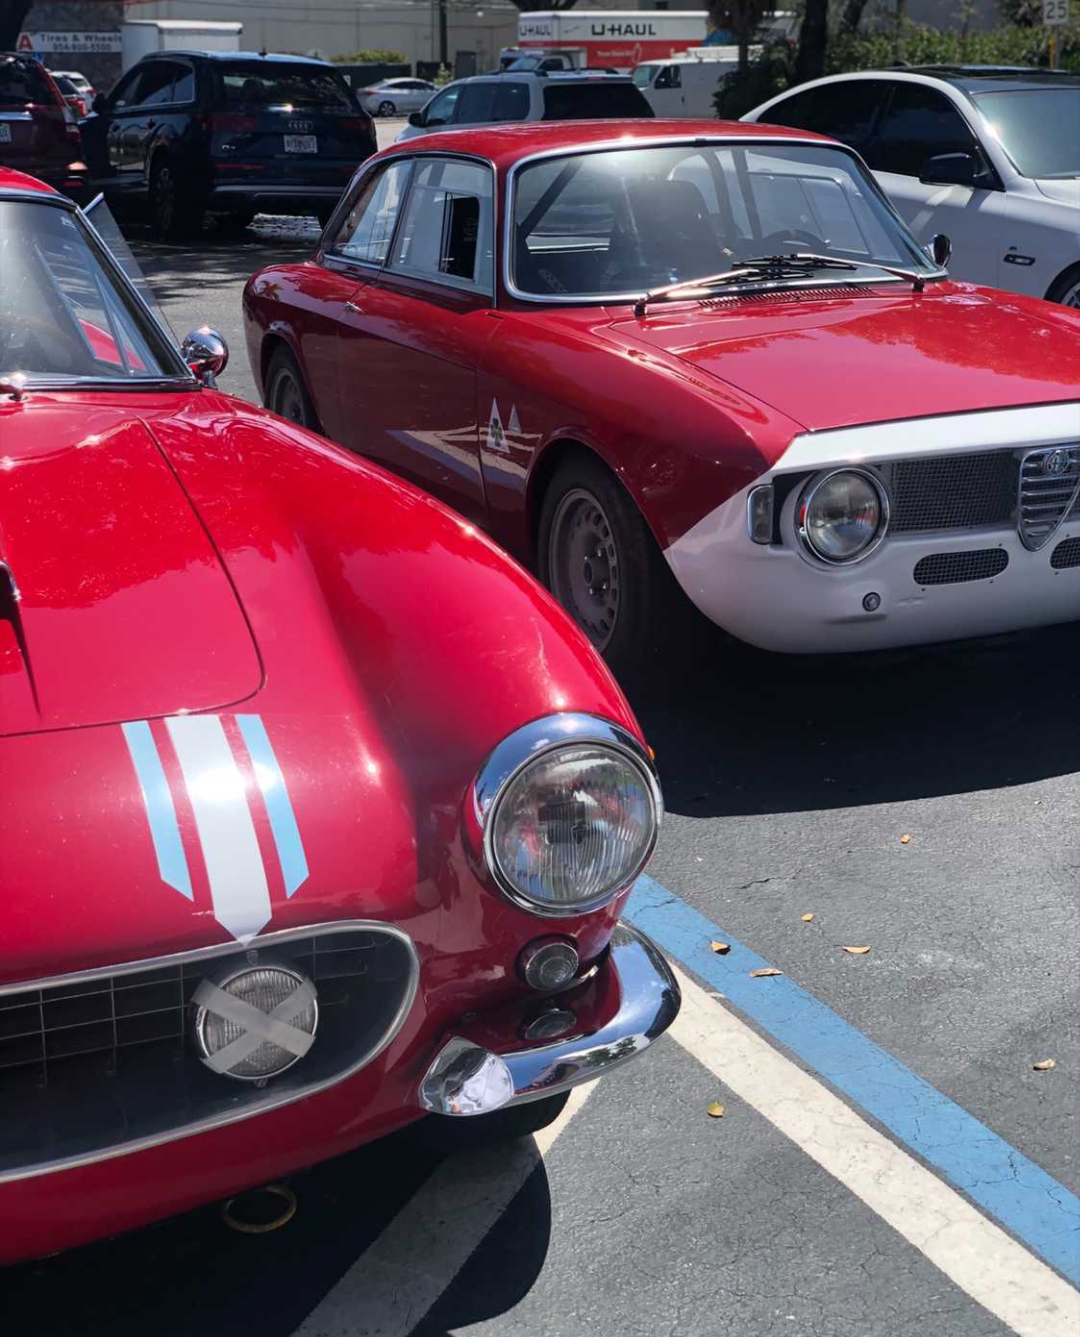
x: 616, y: 39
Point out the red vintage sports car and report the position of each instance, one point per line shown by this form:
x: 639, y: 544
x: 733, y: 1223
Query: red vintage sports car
x: 316, y: 812
x: 632, y: 351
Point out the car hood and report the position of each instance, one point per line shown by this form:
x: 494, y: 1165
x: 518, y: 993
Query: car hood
x: 123, y: 608
x: 872, y: 356
x: 1064, y: 191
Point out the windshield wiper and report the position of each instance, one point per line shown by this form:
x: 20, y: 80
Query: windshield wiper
x: 771, y: 269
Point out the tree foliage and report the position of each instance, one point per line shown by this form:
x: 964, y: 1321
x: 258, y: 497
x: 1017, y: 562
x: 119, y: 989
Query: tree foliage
x: 12, y: 15
x: 740, y: 17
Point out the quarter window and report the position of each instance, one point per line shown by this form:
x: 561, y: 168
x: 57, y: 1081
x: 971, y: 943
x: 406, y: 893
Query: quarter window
x: 446, y: 230
x: 369, y: 225
x: 920, y: 124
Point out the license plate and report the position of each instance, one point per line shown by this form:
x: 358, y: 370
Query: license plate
x: 5, y: 133
x: 301, y: 144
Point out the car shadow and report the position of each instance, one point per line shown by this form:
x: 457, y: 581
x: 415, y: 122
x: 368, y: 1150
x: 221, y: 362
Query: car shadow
x: 741, y: 732
x: 193, y: 1274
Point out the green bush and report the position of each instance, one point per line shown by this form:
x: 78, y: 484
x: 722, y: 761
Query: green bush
x: 762, y: 79
x: 374, y: 56
x: 920, y: 45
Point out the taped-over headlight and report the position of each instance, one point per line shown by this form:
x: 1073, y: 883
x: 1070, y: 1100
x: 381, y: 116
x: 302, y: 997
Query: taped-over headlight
x: 842, y: 515
x: 570, y: 810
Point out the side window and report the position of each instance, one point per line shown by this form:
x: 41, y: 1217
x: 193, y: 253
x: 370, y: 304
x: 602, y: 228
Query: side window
x: 184, y: 84
x: 155, y: 86
x: 797, y: 111
x: 920, y: 124
x: 369, y: 225
x: 440, y: 110
x: 669, y: 77
x: 446, y: 231
x: 122, y: 94
x: 511, y: 102
x: 846, y: 110
x: 476, y: 104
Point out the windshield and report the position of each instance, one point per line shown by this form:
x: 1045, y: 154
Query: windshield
x: 22, y: 83
x: 625, y: 221
x: 1039, y: 128
x: 66, y: 317
x: 253, y: 84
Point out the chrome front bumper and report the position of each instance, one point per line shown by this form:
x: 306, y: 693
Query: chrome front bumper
x: 632, y: 999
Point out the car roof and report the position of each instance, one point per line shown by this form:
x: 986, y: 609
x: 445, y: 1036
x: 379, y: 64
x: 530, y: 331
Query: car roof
x: 260, y: 56
x: 12, y: 180
x: 546, y: 77
x: 507, y: 142
x: 968, y: 79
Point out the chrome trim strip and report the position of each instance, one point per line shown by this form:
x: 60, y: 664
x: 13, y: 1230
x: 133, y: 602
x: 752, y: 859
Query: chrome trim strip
x: 674, y: 141
x: 649, y: 1001
x: 255, y: 1107
x: 521, y: 749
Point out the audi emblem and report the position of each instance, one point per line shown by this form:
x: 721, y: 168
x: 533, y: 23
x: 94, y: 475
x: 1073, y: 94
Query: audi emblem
x: 301, y: 127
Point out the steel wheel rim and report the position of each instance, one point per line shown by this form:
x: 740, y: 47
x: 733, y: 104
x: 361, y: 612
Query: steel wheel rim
x: 288, y: 400
x: 583, y: 562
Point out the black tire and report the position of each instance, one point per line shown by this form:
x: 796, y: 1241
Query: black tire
x: 482, y: 1130
x: 1066, y: 287
x: 639, y: 614
x: 286, y: 392
x: 387, y: 108
x: 174, y: 216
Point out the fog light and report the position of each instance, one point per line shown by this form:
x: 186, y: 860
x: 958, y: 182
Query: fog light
x: 255, y: 1022
x: 549, y: 964
x: 554, y: 1022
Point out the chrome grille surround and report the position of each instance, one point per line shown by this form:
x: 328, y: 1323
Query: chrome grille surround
x: 1049, y: 487
x: 126, y: 1028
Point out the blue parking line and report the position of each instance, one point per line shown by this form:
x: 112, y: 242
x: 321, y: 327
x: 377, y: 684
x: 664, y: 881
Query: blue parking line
x: 1023, y: 1198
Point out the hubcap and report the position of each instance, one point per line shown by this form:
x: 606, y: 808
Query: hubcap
x: 1071, y: 296
x: 288, y: 401
x: 584, y: 565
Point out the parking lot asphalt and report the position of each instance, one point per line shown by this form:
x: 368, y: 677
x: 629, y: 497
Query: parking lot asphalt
x: 888, y: 1162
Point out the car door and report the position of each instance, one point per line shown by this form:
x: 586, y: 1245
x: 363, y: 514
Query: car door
x: 920, y: 123
x: 166, y: 88
x: 476, y: 105
x: 138, y: 119
x: 411, y: 337
x: 102, y: 132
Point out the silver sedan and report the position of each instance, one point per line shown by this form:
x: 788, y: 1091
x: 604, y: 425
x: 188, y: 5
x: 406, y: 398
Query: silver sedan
x: 395, y: 97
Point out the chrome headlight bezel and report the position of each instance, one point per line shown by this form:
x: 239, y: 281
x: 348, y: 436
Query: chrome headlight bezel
x: 521, y: 749
x: 805, y: 498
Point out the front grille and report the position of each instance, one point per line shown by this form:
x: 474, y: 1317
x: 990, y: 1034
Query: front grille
x: 1066, y: 554
x: 951, y: 491
x: 951, y: 568
x: 91, y: 1065
x: 1049, y: 483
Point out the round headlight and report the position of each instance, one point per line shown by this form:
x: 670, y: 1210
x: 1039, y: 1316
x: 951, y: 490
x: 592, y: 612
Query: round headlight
x: 842, y: 515
x: 574, y: 822
x: 255, y: 1022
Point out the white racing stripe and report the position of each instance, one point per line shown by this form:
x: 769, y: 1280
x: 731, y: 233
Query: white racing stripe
x: 219, y: 801
x: 970, y: 1250
x: 392, y: 1286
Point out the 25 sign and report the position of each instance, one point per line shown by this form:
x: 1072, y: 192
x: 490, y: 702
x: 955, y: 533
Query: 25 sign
x: 1055, y: 12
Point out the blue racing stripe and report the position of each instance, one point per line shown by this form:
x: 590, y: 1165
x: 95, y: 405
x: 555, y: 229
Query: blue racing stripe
x: 160, y: 812
x: 1039, y: 1211
x: 275, y: 792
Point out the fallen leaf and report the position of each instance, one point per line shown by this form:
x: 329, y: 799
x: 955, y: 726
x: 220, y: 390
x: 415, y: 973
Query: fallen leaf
x: 765, y: 970
x: 905, y: 839
x: 715, y: 1110
x: 1045, y: 1064
x: 857, y: 951
x: 720, y: 948
x: 807, y: 917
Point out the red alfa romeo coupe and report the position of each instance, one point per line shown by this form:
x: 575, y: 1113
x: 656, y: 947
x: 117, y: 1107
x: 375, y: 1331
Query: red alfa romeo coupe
x: 652, y: 355
x: 316, y: 812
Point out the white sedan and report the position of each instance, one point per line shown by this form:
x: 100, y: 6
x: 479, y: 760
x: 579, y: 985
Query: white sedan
x: 990, y: 158
x: 395, y: 97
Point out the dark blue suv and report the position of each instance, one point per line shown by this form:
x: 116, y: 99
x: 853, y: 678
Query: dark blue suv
x: 194, y: 132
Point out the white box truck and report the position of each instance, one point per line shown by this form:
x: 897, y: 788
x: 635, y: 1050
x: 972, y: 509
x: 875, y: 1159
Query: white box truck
x: 139, y: 37
x: 614, y: 39
x: 684, y: 85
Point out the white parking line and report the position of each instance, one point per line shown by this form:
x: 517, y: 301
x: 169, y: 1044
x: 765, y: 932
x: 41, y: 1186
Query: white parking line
x: 392, y: 1286
x: 972, y: 1251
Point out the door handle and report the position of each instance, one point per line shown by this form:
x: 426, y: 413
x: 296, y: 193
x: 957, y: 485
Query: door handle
x: 350, y: 305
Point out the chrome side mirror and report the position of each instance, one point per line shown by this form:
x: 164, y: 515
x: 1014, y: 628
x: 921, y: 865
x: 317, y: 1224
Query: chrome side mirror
x: 940, y: 249
x: 206, y: 353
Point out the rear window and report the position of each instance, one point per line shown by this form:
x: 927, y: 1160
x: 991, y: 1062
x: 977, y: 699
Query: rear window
x: 592, y: 101
x: 250, y: 84
x: 22, y: 81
